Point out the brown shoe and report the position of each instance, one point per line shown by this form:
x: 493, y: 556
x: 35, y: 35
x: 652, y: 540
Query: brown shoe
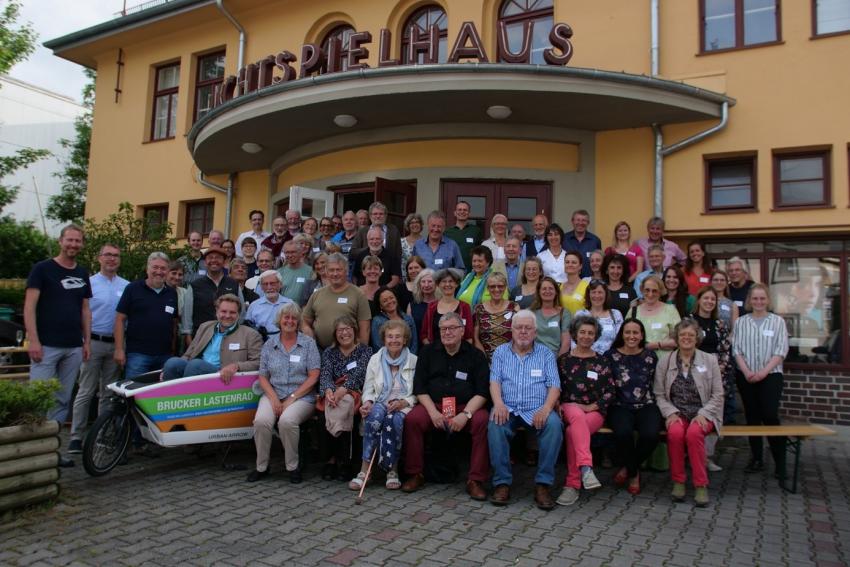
x: 501, y: 495
x: 475, y: 490
x: 542, y: 497
x: 413, y: 483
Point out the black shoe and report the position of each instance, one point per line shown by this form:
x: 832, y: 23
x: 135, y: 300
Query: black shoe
x: 780, y: 474
x: 256, y: 475
x: 344, y: 473
x: 75, y: 447
x: 754, y: 466
x: 65, y: 462
x: 329, y: 471
x: 295, y: 476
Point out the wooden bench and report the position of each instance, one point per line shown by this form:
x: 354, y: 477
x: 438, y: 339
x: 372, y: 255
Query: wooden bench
x: 795, y: 433
x: 20, y: 376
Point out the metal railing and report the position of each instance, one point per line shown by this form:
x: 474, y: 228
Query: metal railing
x: 140, y: 7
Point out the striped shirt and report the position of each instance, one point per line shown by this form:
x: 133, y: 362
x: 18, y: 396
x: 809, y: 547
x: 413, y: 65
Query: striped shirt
x: 758, y: 343
x: 525, y: 380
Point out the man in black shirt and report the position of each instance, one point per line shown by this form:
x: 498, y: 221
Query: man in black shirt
x: 739, y: 283
x: 58, y: 319
x: 451, y: 371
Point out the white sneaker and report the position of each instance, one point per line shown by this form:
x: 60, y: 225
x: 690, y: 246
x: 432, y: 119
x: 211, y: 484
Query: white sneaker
x: 712, y: 466
x: 589, y: 480
x: 568, y: 497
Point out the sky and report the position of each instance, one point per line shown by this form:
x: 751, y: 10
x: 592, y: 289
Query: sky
x: 52, y: 19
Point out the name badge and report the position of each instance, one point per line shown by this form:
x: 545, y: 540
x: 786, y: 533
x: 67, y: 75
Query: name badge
x: 592, y: 375
x: 518, y: 298
x: 587, y: 254
x: 233, y: 346
x: 351, y: 365
x: 202, y: 272
x: 463, y: 321
x: 767, y: 333
x: 438, y: 261
x: 578, y: 296
x: 703, y: 279
x: 630, y: 253
x: 657, y: 325
x: 294, y: 358
x: 536, y: 373
x: 508, y: 315
x: 739, y: 303
x: 169, y: 309
x: 470, y: 240
x: 300, y: 280
x: 624, y: 295
x: 725, y: 307
x: 342, y: 300
x: 700, y: 368
x: 460, y: 375
x: 316, y: 249
x: 552, y: 324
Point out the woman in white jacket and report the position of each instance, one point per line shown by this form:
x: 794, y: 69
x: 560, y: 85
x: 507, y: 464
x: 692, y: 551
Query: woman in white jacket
x: 387, y: 398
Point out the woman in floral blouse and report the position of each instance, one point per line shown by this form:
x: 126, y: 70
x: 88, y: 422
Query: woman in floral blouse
x: 587, y: 387
x: 492, y: 318
x: 634, y: 406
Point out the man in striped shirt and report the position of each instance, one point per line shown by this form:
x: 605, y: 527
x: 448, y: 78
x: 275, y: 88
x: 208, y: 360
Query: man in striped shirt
x: 524, y: 387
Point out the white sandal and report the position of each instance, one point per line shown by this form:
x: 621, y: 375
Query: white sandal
x: 393, y: 483
x: 357, y: 482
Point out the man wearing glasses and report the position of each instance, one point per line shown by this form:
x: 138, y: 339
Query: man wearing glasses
x: 257, y: 219
x: 451, y: 384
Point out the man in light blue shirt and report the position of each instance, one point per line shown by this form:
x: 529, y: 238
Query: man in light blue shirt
x: 261, y: 313
x: 100, y: 369
x: 436, y: 250
x: 512, y: 262
x: 655, y: 260
x: 525, y: 389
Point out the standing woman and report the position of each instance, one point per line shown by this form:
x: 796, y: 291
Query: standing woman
x: 596, y: 259
x: 413, y: 232
x: 553, y: 321
x: 387, y: 304
x: 498, y: 237
x: 387, y: 398
x: 760, y: 344
x: 473, y: 288
x: 658, y: 318
x: 587, y: 387
x: 552, y: 255
x: 492, y: 318
x: 447, y: 281
x: 698, y: 267
x: 320, y: 278
x: 689, y: 392
x: 573, y: 286
x: 727, y: 311
x: 411, y: 269
x: 371, y: 268
x: 598, y: 306
x: 623, y: 246
x: 676, y: 291
x: 289, y: 371
x: 633, y: 408
x: 424, y: 293
x: 531, y: 272
x: 616, y: 270
x: 229, y: 248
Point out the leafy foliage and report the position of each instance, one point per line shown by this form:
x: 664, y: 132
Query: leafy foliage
x: 26, y: 246
x: 24, y: 403
x: 16, y: 43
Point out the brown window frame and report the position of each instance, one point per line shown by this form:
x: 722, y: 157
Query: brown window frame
x: 749, y: 158
x: 815, y: 34
x: 207, y: 221
x: 739, y: 30
x: 525, y: 16
x: 408, y: 23
x: 199, y: 84
x: 157, y: 94
x: 825, y: 154
x: 161, y: 208
x: 338, y: 30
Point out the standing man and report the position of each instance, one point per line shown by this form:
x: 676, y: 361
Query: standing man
x: 257, y: 219
x: 739, y: 283
x: 193, y: 262
x: 513, y: 246
x: 524, y: 387
x: 391, y: 275
x: 277, y: 238
x: 437, y: 249
x: 362, y: 218
x: 199, y: 301
x: 463, y: 233
x: 58, y: 319
x: 295, y: 273
x: 265, y: 262
x: 349, y: 231
x: 146, y: 316
x: 534, y: 245
x: 391, y: 236
x: 100, y: 369
x: 581, y: 240
x: 333, y: 301
x: 655, y: 263
x: 655, y: 235
x: 216, y: 238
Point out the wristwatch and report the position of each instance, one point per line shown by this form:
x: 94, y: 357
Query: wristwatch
x: 468, y: 414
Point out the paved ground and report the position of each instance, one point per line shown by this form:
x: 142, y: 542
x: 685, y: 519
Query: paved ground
x: 179, y: 509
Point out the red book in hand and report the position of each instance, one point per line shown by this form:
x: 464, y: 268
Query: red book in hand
x: 449, y: 407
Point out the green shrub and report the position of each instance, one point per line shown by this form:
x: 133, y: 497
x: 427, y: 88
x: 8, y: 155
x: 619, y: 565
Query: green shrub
x: 12, y: 296
x: 26, y: 402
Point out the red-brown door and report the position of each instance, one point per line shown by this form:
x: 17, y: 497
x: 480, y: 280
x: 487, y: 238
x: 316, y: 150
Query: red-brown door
x: 399, y: 197
x: 519, y: 201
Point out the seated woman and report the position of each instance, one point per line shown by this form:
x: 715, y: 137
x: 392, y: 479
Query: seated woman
x: 341, y: 384
x: 289, y: 371
x: 587, y: 387
x: 689, y: 391
x: 222, y: 346
x: 387, y: 398
x: 633, y: 408
x: 386, y: 302
x: 492, y: 318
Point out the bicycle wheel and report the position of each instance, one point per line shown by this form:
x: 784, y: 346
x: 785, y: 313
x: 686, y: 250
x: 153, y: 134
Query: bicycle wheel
x: 106, y: 442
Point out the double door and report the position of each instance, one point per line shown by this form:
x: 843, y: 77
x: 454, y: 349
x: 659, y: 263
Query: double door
x: 520, y: 201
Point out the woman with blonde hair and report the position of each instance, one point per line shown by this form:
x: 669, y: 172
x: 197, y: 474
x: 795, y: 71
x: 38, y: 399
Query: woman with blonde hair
x: 623, y: 245
x: 530, y: 274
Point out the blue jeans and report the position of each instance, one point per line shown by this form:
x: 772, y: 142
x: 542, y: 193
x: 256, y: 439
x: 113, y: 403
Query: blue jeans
x: 176, y: 367
x: 549, y: 441
x: 138, y: 363
x: 64, y: 365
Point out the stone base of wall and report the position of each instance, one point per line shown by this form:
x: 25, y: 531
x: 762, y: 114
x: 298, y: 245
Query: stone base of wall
x: 817, y: 396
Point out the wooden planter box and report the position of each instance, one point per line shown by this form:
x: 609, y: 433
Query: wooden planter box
x: 29, y: 464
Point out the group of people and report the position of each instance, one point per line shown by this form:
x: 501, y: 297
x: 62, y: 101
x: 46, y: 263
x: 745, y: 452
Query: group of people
x: 395, y: 335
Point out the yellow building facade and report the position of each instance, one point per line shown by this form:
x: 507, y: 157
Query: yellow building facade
x: 728, y: 119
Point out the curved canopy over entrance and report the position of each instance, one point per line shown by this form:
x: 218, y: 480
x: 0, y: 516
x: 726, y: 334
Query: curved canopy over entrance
x: 391, y: 104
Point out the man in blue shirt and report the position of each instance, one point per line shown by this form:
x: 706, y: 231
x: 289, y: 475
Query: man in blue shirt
x: 512, y: 262
x: 261, y: 313
x: 580, y: 240
x: 525, y: 389
x: 100, y: 369
x: 436, y: 250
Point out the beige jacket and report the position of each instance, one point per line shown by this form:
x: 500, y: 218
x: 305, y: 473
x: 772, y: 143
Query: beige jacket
x: 241, y: 347
x: 706, y: 373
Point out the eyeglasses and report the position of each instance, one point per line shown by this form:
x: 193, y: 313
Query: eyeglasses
x: 110, y: 255
x: 453, y: 328
x: 344, y: 330
x: 651, y: 290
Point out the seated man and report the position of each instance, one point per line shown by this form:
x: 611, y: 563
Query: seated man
x: 222, y: 346
x: 261, y: 313
x: 525, y: 388
x: 453, y: 370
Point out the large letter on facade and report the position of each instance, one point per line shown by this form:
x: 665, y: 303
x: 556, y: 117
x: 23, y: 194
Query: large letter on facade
x: 559, y: 37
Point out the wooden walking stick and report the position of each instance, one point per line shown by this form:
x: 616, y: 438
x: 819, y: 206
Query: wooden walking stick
x: 359, y: 499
